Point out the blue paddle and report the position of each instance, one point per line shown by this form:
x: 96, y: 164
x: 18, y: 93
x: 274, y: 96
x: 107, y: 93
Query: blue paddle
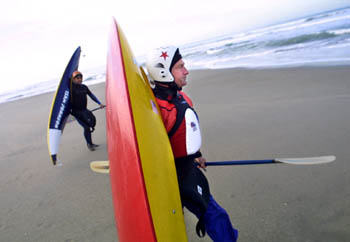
x: 293, y: 161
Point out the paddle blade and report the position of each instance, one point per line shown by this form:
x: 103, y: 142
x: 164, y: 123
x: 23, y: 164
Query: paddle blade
x: 306, y: 160
x: 100, y: 166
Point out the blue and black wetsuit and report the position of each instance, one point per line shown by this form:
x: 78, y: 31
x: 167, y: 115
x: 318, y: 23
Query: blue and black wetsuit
x: 79, y: 106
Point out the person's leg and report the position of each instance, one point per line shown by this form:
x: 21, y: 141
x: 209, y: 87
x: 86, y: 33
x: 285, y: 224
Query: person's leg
x: 217, y: 222
x: 87, y: 133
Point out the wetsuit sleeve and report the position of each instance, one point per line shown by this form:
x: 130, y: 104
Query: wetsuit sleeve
x: 92, y: 96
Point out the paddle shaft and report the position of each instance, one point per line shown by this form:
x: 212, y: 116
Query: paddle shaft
x: 293, y: 161
x: 239, y: 162
x: 71, y: 119
x: 96, y: 109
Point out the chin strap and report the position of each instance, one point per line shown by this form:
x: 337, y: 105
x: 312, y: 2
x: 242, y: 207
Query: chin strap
x: 173, y: 86
x: 166, y: 88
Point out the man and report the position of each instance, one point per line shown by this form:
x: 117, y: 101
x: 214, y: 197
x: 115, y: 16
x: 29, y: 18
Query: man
x: 167, y: 70
x: 84, y: 116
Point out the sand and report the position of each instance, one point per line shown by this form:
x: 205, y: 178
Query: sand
x: 244, y: 114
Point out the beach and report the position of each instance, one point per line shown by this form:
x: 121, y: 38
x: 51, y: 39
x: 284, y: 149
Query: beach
x: 244, y: 114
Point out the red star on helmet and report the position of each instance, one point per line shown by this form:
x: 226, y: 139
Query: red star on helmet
x: 164, y: 55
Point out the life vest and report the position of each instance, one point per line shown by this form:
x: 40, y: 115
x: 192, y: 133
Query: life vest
x: 180, y: 120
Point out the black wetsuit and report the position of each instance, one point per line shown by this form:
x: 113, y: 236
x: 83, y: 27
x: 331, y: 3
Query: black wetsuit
x: 79, y: 107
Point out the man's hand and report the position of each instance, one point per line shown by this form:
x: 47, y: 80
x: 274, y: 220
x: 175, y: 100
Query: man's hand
x: 201, y: 162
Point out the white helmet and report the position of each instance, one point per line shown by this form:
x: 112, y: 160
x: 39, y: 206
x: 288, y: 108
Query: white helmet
x: 159, y: 63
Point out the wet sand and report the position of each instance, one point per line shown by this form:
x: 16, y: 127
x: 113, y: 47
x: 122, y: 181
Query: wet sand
x: 244, y: 114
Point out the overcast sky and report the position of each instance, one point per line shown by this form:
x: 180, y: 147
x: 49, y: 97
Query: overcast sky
x: 39, y: 36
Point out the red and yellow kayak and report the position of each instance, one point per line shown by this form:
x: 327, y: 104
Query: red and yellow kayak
x: 144, y: 185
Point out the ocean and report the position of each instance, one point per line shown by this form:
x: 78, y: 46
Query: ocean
x: 320, y: 39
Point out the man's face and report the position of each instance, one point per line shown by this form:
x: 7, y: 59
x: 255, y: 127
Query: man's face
x: 78, y: 79
x: 180, y: 73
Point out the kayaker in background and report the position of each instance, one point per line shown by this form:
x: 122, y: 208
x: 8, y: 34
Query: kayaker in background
x: 79, y: 110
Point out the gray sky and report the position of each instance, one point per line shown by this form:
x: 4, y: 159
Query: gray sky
x: 39, y: 36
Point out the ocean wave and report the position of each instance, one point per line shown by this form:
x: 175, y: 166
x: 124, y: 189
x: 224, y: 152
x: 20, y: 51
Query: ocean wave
x: 327, y: 14
x: 302, y: 39
x: 339, y: 46
x: 340, y: 31
x: 294, y: 48
x: 300, y: 25
x: 214, y: 51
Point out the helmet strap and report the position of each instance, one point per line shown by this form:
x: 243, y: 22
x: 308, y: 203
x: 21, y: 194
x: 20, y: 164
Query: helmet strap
x: 173, y: 86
